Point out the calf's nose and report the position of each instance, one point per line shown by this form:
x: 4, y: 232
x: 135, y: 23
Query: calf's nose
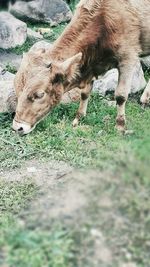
x: 21, y: 127
x: 20, y: 130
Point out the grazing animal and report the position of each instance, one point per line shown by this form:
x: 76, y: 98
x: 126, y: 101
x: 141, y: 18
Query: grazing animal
x: 101, y: 35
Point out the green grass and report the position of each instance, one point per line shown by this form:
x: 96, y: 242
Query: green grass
x: 10, y: 68
x: 73, y: 3
x: 38, y: 248
x: 21, y: 246
x: 147, y: 74
x: 94, y: 143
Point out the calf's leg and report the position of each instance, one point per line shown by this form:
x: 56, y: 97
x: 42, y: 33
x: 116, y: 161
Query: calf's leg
x: 126, y: 71
x: 85, y: 93
x: 145, y: 98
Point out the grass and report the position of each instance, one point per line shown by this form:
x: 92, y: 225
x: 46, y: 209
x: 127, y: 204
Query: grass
x: 73, y: 3
x: 21, y: 246
x: 10, y: 68
x: 147, y: 74
x: 36, y: 249
x: 94, y: 143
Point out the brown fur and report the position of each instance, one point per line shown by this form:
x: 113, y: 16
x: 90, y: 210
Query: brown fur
x: 108, y: 33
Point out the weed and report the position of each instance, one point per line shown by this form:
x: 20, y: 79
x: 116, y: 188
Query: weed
x: 10, y: 68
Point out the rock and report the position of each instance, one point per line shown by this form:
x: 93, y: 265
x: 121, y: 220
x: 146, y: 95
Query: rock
x: 145, y: 61
x: 9, y: 58
x: 111, y: 103
x: 6, y: 87
x: 40, y: 44
x: 6, y: 90
x: 138, y: 82
x: 129, y: 132
x: 33, y: 35
x: 109, y: 81
x: 13, y: 32
x: 5, y: 75
x: 46, y: 11
x: 47, y: 31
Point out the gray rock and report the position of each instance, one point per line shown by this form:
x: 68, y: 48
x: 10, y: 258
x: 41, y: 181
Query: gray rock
x: 40, y: 44
x: 48, y: 31
x: 7, y: 91
x: 13, y: 32
x: 5, y: 75
x: 109, y: 81
x: 9, y: 58
x: 145, y: 61
x: 32, y: 35
x: 138, y: 82
x: 46, y: 11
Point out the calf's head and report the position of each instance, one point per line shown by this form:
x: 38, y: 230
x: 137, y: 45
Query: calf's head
x: 42, y: 90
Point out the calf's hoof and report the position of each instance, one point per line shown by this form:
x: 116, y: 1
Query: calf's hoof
x: 120, y: 129
x: 75, y: 122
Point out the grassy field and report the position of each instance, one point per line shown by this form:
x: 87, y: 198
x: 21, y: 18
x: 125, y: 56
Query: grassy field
x: 94, y: 144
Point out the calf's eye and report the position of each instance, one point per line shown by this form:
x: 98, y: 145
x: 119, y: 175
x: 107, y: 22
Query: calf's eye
x: 30, y: 98
x: 38, y: 95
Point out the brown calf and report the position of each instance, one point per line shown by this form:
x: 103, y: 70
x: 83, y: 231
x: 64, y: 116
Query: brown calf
x: 102, y: 34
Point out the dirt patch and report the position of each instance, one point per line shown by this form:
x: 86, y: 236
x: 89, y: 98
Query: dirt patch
x: 92, y: 205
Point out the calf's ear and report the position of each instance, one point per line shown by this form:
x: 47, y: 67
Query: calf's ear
x: 71, y: 66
